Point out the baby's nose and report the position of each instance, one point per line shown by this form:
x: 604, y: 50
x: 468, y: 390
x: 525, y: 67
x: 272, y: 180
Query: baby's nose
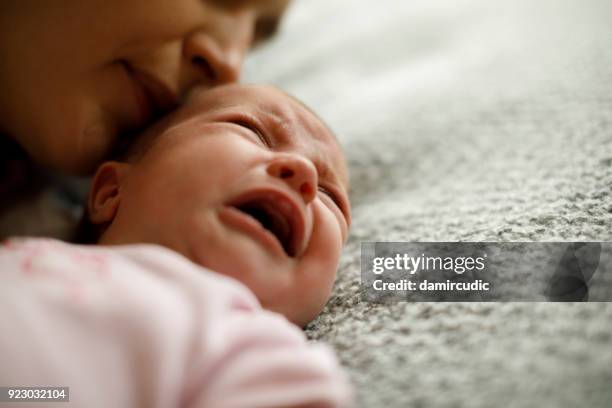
x: 298, y: 172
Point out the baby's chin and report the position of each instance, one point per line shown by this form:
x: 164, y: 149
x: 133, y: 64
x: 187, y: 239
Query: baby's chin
x: 296, y: 314
x: 274, y: 289
x: 298, y: 303
x: 275, y: 281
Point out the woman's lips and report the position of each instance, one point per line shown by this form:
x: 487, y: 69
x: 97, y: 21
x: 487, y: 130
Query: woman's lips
x: 152, y: 96
x: 143, y: 104
x: 238, y: 220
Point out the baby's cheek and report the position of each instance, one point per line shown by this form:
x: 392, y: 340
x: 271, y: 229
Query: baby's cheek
x: 337, y: 220
x: 318, y: 272
x: 327, y: 236
x: 316, y: 269
x: 330, y: 204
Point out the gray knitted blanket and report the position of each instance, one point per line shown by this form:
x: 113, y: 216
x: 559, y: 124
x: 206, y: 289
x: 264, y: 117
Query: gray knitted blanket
x: 465, y: 120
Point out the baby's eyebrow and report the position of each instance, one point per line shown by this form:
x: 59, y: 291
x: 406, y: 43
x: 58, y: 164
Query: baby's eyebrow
x: 281, y: 120
x: 277, y: 122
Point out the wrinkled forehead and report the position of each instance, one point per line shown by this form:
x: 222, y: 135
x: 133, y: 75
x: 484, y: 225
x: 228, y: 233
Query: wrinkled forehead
x: 308, y: 132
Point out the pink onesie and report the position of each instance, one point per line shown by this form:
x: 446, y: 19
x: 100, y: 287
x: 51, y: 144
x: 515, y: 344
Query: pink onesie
x: 142, y: 326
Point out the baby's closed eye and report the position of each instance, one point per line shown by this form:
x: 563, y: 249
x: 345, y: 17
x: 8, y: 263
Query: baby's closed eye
x: 254, y: 129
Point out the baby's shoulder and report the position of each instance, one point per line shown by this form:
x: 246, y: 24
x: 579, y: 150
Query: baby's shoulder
x: 141, y: 274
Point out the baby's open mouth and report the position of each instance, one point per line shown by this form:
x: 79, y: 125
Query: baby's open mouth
x: 276, y: 213
x: 272, y: 220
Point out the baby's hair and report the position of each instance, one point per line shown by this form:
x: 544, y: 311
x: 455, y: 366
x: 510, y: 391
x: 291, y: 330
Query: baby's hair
x: 132, y: 147
x: 128, y: 149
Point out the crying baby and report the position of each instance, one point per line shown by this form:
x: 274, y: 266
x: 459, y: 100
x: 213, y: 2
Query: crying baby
x: 220, y: 232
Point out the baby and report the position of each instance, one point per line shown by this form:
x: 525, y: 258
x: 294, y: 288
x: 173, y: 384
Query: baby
x: 248, y: 190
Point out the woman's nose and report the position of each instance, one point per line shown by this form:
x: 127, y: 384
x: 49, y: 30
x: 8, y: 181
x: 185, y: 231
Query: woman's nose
x: 298, y: 172
x: 215, y: 54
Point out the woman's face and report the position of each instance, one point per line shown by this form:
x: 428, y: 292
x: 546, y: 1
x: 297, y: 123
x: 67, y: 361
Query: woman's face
x: 77, y: 74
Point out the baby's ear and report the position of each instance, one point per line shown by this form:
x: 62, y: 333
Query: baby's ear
x: 105, y: 193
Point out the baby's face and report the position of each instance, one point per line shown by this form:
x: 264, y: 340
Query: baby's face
x: 245, y: 181
x: 76, y: 74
